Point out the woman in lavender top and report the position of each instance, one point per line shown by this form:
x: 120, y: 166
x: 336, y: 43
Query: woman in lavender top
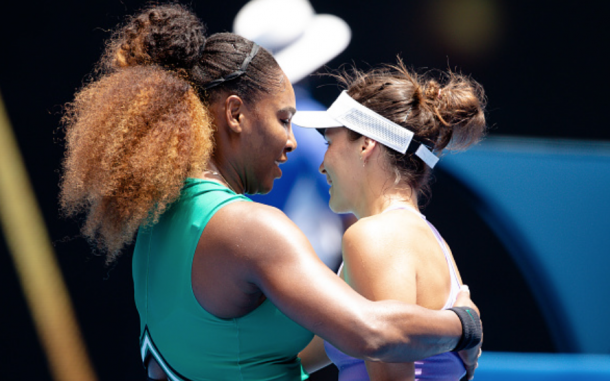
x: 384, y: 135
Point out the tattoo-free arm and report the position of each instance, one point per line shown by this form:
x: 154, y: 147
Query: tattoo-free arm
x: 283, y: 265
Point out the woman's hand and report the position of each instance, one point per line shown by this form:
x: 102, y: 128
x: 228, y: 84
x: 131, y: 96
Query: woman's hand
x: 470, y: 357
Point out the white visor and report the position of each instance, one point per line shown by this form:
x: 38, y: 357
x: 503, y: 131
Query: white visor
x: 347, y: 112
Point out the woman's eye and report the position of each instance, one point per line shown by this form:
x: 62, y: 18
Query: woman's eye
x: 285, y: 122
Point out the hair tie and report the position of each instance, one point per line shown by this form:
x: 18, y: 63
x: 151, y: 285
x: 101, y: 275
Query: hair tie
x: 439, y: 93
x: 237, y: 73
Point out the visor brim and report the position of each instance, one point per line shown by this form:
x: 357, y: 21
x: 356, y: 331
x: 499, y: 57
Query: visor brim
x: 315, y: 119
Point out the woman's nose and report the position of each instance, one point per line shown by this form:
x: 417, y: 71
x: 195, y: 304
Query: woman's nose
x: 321, y: 168
x: 291, y: 143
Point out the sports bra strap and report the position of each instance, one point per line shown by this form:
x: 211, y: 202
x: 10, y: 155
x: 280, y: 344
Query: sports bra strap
x: 455, y: 283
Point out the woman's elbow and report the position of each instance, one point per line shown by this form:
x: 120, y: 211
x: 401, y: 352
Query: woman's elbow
x: 382, y: 341
x: 371, y: 341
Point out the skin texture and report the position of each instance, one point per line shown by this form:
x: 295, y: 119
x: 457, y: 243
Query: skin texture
x: 271, y: 258
x: 254, y: 139
x: 387, y: 256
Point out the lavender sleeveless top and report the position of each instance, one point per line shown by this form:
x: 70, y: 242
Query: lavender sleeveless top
x: 444, y: 367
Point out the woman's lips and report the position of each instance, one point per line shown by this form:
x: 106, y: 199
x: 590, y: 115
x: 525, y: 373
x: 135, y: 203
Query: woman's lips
x: 278, y: 163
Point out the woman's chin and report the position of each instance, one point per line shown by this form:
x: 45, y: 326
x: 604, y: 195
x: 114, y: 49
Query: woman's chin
x: 337, y: 207
x: 265, y: 188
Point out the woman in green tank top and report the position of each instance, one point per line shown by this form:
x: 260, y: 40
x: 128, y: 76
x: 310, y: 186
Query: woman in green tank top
x: 162, y: 143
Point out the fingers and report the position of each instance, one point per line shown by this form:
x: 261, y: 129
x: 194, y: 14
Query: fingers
x: 470, y: 358
x: 464, y: 295
x: 472, y: 368
x: 470, y: 372
x: 476, y: 364
x: 463, y: 299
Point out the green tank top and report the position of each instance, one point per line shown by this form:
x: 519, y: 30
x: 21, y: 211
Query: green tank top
x: 188, y: 342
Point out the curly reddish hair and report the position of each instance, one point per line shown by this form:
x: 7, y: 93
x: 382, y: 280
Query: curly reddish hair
x: 140, y: 126
x: 132, y: 138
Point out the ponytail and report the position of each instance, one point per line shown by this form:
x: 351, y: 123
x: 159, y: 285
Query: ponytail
x: 135, y: 133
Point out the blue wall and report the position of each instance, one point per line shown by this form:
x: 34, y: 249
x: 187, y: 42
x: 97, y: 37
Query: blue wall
x: 547, y: 200
x: 499, y: 366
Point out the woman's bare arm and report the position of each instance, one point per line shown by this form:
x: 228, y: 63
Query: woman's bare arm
x: 379, y: 266
x: 278, y: 259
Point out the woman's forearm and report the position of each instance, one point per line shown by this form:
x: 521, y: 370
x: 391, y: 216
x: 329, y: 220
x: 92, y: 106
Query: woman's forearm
x: 287, y: 271
x: 403, y: 332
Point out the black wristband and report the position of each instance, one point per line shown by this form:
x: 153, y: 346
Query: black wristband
x: 472, y: 331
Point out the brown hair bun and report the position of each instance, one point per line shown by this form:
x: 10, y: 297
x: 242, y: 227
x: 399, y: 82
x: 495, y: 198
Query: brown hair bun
x: 166, y: 35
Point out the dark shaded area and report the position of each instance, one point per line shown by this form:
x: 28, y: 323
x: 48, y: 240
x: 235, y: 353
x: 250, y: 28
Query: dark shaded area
x: 540, y: 76
x: 103, y: 298
x: 513, y: 321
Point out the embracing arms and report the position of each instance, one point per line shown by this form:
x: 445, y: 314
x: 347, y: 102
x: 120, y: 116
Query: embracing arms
x: 275, y: 257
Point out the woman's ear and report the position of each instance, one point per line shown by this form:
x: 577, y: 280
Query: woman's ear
x: 234, y: 107
x: 367, y: 148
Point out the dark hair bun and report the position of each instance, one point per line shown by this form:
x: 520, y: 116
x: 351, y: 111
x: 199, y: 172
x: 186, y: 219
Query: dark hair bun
x: 167, y: 35
x: 459, y: 106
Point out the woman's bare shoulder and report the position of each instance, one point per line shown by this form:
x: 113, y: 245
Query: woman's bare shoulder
x: 248, y: 228
x: 385, y: 226
x: 246, y: 215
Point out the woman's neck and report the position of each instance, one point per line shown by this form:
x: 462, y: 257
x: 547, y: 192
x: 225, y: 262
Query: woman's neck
x: 379, y: 193
x: 386, y: 199
x: 223, y: 175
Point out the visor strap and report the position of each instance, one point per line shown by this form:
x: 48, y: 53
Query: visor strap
x: 423, y: 151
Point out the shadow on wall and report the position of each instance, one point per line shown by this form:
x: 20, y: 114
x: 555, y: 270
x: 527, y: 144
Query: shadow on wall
x: 546, y: 201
